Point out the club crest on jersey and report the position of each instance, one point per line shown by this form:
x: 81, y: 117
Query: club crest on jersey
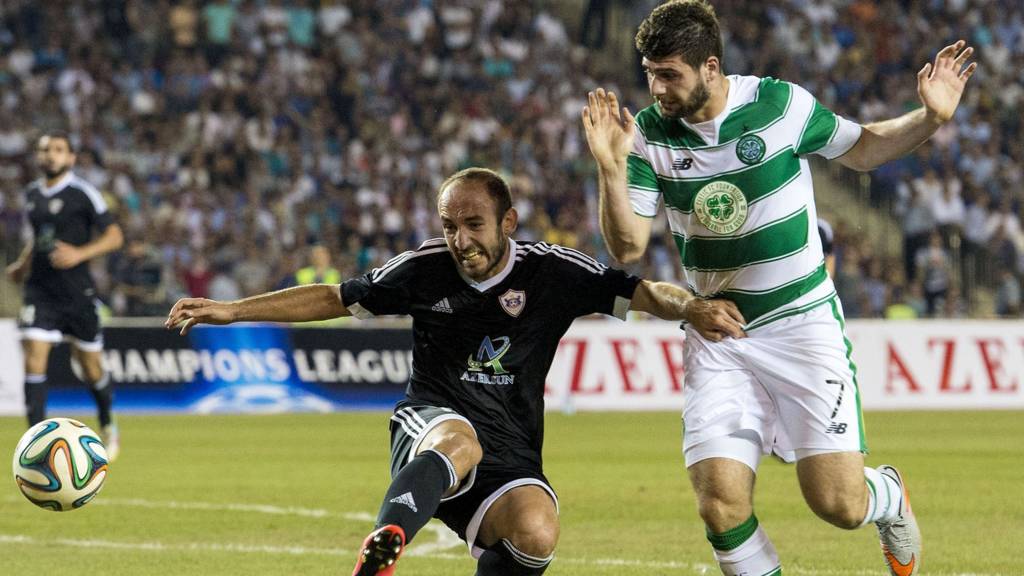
x: 721, y: 207
x: 513, y: 302
x: 55, y: 205
x: 750, y: 149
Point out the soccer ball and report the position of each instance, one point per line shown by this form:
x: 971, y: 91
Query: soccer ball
x: 60, y: 464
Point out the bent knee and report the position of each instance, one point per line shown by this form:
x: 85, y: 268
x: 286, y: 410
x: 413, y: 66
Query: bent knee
x: 536, y: 538
x: 722, y: 514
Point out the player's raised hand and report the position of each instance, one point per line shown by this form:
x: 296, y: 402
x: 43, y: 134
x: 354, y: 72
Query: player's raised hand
x: 715, y: 318
x: 188, y: 312
x: 940, y: 85
x: 65, y: 256
x: 610, y: 131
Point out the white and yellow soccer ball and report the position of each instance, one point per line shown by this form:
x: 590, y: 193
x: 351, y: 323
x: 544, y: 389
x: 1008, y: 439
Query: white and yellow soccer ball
x: 60, y: 464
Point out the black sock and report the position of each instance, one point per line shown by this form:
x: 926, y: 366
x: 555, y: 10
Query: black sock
x: 503, y: 559
x: 415, y: 493
x: 103, y: 393
x: 35, y: 398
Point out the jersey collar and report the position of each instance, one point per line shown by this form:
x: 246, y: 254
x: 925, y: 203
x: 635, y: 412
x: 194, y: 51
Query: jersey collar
x: 60, y: 185
x: 497, y: 278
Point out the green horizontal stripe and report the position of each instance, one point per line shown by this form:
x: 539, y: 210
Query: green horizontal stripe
x: 772, y: 103
x: 755, y: 181
x: 770, y: 242
x: 661, y: 132
x: 792, y: 312
x: 756, y: 304
x: 821, y: 124
x: 640, y: 174
x: 734, y: 538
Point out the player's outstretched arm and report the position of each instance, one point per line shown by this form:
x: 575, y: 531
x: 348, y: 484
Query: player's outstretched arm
x: 713, y: 318
x: 610, y: 134
x: 299, y: 304
x: 940, y: 86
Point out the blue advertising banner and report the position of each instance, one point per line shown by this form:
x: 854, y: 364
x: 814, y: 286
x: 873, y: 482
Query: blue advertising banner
x: 262, y: 368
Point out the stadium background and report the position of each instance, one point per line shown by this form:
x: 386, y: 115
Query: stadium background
x: 230, y: 138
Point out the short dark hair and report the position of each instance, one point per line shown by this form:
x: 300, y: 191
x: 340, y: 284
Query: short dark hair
x: 60, y: 135
x: 497, y: 188
x: 686, y: 28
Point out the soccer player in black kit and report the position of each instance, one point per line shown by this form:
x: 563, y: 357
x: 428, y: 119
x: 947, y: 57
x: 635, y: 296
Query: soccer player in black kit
x: 63, y: 212
x: 488, y: 313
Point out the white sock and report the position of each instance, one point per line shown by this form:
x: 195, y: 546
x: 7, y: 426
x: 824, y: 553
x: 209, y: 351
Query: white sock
x: 883, y: 497
x: 756, y: 556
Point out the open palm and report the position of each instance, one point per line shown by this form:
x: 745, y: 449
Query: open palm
x: 610, y: 132
x: 941, y: 85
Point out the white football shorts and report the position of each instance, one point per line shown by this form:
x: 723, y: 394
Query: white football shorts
x: 791, y: 382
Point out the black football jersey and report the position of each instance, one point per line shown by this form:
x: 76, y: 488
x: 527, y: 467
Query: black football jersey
x: 69, y: 211
x: 484, y: 349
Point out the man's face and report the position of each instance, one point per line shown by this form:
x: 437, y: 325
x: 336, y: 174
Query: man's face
x: 678, y: 88
x: 477, y: 240
x: 54, y: 156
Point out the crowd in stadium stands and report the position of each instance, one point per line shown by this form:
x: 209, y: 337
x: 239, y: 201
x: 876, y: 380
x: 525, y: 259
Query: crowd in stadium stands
x: 231, y: 137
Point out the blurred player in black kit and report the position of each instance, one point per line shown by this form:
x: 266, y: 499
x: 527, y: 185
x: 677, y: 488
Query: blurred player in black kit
x: 70, y: 225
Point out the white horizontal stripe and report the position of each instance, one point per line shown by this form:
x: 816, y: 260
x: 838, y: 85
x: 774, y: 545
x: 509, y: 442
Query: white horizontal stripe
x: 524, y: 558
x: 716, y: 161
x: 784, y: 203
x: 644, y: 201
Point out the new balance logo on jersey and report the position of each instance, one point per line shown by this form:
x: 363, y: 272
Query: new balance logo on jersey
x: 682, y: 163
x: 836, y: 428
x: 405, y: 499
x: 442, y: 306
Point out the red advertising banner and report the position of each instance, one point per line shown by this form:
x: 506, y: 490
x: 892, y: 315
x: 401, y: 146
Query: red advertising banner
x: 600, y: 365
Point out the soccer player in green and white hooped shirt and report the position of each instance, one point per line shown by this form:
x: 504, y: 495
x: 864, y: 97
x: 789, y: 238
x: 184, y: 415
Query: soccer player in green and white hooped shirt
x: 726, y: 155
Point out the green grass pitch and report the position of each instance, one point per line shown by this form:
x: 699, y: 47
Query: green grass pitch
x: 295, y: 494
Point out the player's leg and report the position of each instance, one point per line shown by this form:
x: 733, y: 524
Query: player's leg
x: 89, y: 358
x: 433, y: 451
x: 722, y: 472
x: 809, y: 367
x: 727, y: 415
x: 39, y: 326
x: 83, y: 325
x: 37, y: 356
x: 518, y: 533
x: 834, y: 487
x: 839, y: 489
x: 445, y: 456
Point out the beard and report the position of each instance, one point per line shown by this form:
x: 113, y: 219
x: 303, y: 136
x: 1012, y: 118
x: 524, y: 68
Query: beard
x: 493, y: 254
x: 53, y: 173
x: 698, y: 98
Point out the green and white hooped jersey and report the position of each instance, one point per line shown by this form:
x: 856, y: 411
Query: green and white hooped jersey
x: 739, y: 197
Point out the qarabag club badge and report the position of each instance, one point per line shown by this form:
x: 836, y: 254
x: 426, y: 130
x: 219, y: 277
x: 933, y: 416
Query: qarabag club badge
x: 513, y: 301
